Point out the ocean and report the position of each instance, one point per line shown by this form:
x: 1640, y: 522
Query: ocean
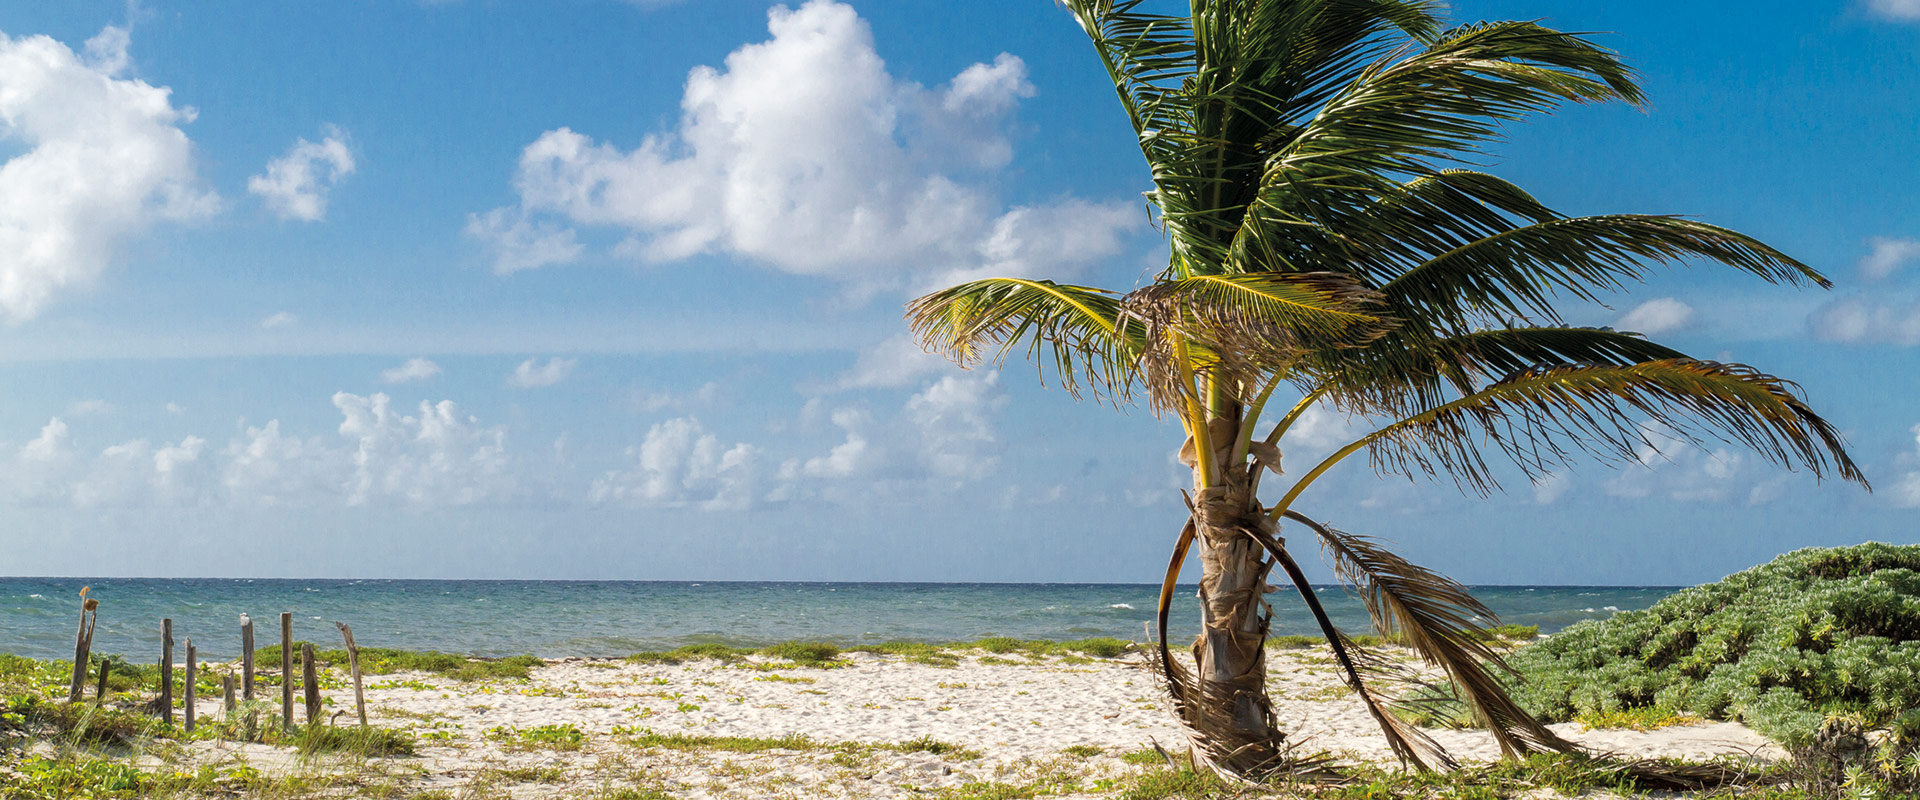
x: 38, y: 616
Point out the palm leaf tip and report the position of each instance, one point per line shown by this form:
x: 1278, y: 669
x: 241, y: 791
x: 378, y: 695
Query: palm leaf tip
x: 1535, y: 415
x: 1071, y: 328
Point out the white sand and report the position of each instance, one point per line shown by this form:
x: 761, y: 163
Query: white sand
x: 1017, y: 713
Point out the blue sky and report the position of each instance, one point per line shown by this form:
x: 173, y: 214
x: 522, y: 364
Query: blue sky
x: 613, y: 290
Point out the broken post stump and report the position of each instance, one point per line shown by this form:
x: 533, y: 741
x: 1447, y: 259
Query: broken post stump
x: 100, y: 692
x: 226, y: 692
x: 166, y: 671
x: 246, y: 657
x: 310, y: 683
x: 82, y: 645
x: 353, y: 665
x: 193, y: 666
x: 286, y: 669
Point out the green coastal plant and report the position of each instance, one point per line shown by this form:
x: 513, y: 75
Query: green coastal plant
x: 1327, y: 253
x: 1782, y: 647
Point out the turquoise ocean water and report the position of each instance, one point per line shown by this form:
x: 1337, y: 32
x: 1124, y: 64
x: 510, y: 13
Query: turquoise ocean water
x: 38, y: 616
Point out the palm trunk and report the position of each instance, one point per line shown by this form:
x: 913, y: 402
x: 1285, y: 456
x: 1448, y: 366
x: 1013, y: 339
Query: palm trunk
x: 1226, y: 707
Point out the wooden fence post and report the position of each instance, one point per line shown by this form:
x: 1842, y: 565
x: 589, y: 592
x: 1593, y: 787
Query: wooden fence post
x: 286, y: 669
x: 226, y: 692
x: 246, y: 657
x: 310, y: 681
x: 166, y: 671
x: 353, y: 665
x: 193, y: 668
x: 100, y: 694
x: 82, y: 645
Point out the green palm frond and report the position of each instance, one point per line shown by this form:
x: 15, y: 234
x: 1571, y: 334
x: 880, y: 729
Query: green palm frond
x: 1516, y: 272
x: 1408, y: 370
x: 1536, y: 415
x: 1076, y: 326
x: 1409, y: 111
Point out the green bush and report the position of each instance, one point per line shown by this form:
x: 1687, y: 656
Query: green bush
x: 1782, y: 646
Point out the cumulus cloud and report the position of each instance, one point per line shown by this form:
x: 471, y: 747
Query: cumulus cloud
x: 1906, y: 492
x: 680, y: 463
x: 1860, y: 320
x: 1903, y: 10
x: 892, y: 363
x: 531, y: 374
x: 1888, y: 256
x: 438, y: 457
x: 278, y: 319
x: 1657, y: 316
x: 378, y: 456
x: 1678, y: 469
x: 101, y: 159
x: 804, y: 153
x: 415, y: 369
x: 296, y: 185
x: 956, y: 436
x: 518, y: 243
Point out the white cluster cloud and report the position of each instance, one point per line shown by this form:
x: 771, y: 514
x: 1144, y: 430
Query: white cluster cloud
x: 1681, y: 470
x: 893, y: 363
x: 1905, y: 10
x: 103, y: 158
x: 1861, y: 320
x: 531, y: 374
x: 1906, y: 493
x: 436, y: 457
x: 440, y: 457
x: 805, y: 154
x: 1888, y: 255
x: 1883, y: 317
x: 1657, y: 316
x: 943, y: 436
x: 414, y: 369
x: 278, y: 319
x: 296, y: 185
x: 681, y: 464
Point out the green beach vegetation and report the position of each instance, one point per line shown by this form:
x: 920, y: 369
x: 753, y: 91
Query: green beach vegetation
x: 1783, y: 647
x: 1328, y: 252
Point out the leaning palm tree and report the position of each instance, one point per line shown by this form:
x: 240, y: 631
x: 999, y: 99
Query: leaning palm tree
x: 1326, y: 246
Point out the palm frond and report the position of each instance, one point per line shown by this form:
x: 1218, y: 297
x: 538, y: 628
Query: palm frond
x: 1241, y: 325
x: 1408, y: 370
x: 1536, y: 414
x: 1516, y: 272
x: 1410, y: 743
x: 1441, y: 621
x: 1076, y: 327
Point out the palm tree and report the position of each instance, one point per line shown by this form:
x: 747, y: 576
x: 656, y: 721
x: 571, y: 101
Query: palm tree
x: 1305, y: 162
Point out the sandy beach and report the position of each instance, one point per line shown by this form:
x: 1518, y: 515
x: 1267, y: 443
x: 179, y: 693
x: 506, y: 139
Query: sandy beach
x: 876, y: 726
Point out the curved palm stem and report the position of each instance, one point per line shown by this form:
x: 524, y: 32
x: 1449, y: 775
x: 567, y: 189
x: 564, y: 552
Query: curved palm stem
x: 1407, y: 742
x: 1196, y: 417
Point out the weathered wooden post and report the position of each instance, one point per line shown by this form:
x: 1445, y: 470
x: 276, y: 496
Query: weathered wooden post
x: 310, y: 684
x: 353, y: 665
x: 193, y: 668
x: 166, y: 671
x: 226, y: 691
x: 286, y: 669
x: 100, y: 693
x: 246, y: 657
x: 83, y: 645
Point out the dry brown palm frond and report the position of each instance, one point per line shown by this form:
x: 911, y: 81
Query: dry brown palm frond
x: 1243, y: 324
x: 1438, y: 619
x: 1409, y: 743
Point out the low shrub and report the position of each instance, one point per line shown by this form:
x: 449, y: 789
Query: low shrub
x: 1782, y: 647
